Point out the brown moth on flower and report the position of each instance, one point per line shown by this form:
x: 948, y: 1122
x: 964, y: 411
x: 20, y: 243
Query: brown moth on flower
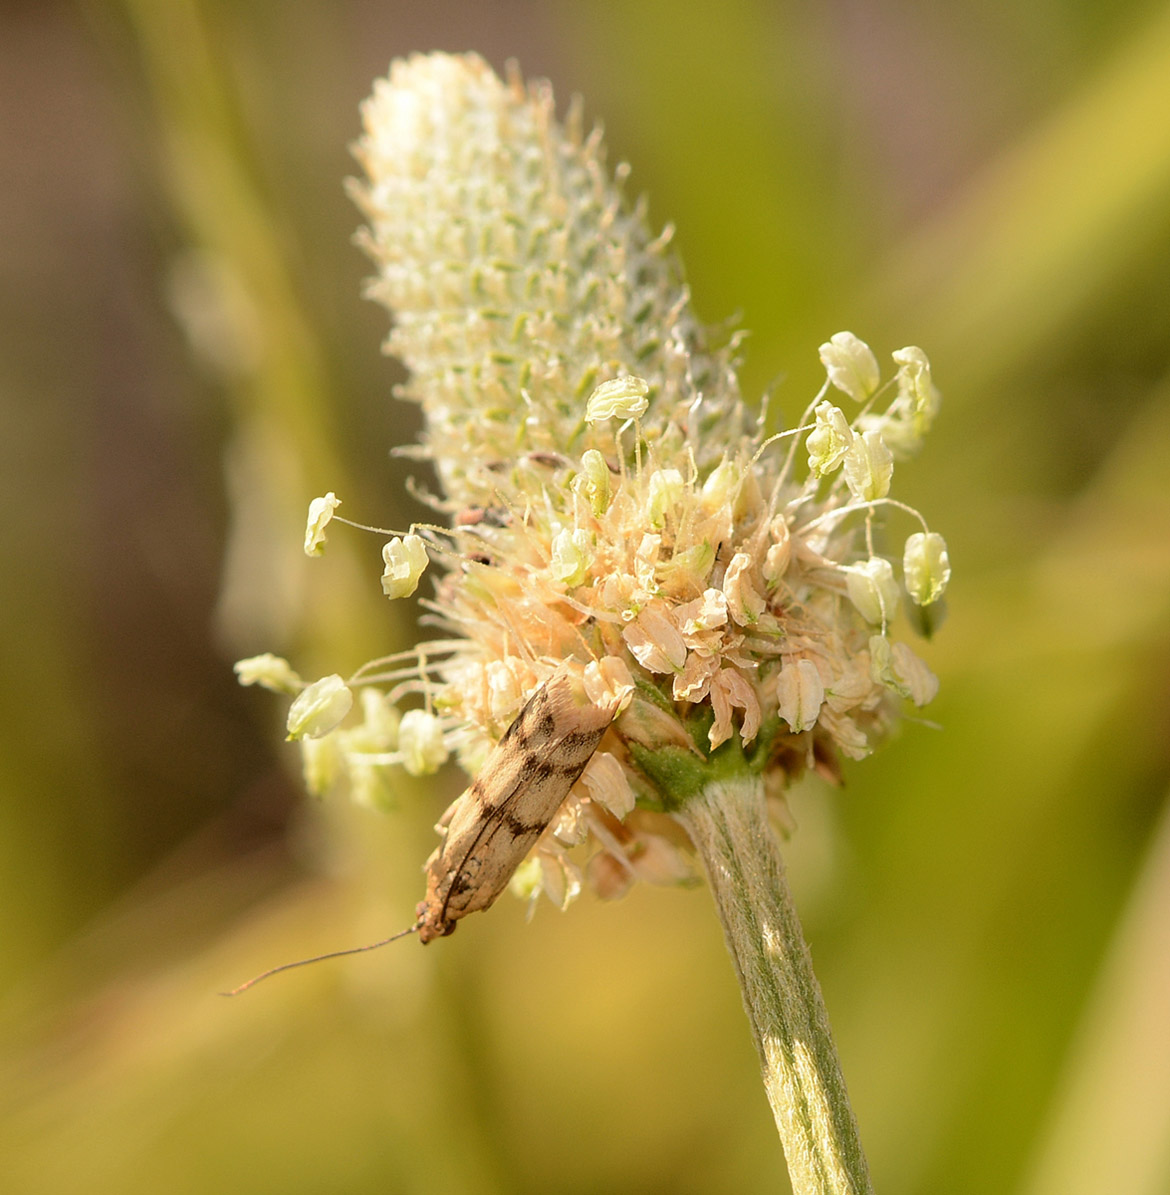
x: 519, y: 790
x: 521, y: 787
x: 635, y: 580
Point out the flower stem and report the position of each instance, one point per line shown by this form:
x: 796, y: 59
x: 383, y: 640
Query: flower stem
x: 728, y: 824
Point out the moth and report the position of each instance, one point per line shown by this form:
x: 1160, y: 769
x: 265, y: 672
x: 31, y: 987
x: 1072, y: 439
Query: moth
x: 492, y: 827
x: 519, y: 790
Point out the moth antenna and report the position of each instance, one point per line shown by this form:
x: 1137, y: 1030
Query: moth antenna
x: 318, y: 958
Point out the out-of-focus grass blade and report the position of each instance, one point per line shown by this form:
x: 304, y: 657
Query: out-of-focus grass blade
x: 1037, y: 238
x: 281, y: 404
x: 1110, y: 1129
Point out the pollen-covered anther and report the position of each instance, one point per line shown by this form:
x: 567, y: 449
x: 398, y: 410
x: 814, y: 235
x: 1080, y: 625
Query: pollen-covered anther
x: 873, y: 590
x: 269, y: 672
x: 916, y: 385
x: 926, y: 567
x: 420, y: 743
x: 868, y: 467
x: 829, y: 440
x: 319, y: 708
x: 320, y: 513
x: 851, y: 365
x: 405, y: 559
x: 378, y: 729
x: 905, y: 423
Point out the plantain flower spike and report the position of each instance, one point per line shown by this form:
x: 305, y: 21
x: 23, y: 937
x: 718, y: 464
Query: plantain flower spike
x: 614, y: 507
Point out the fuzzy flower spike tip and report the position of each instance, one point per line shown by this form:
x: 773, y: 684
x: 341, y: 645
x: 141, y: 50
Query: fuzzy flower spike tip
x: 653, y: 615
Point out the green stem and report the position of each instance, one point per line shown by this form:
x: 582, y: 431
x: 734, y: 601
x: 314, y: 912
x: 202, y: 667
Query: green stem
x: 728, y: 823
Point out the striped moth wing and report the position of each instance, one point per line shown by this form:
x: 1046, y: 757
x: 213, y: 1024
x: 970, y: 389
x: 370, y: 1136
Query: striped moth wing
x: 519, y: 790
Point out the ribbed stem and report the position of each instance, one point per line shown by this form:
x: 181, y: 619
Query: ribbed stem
x: 728, y: 824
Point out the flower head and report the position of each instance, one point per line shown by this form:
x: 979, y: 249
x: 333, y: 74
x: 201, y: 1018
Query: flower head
x: 616, y: 515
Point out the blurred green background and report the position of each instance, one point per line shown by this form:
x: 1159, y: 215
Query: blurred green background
x: 185, y: 361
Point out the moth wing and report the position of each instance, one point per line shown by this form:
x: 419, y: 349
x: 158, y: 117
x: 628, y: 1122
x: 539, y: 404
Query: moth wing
x: 523, y: 783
